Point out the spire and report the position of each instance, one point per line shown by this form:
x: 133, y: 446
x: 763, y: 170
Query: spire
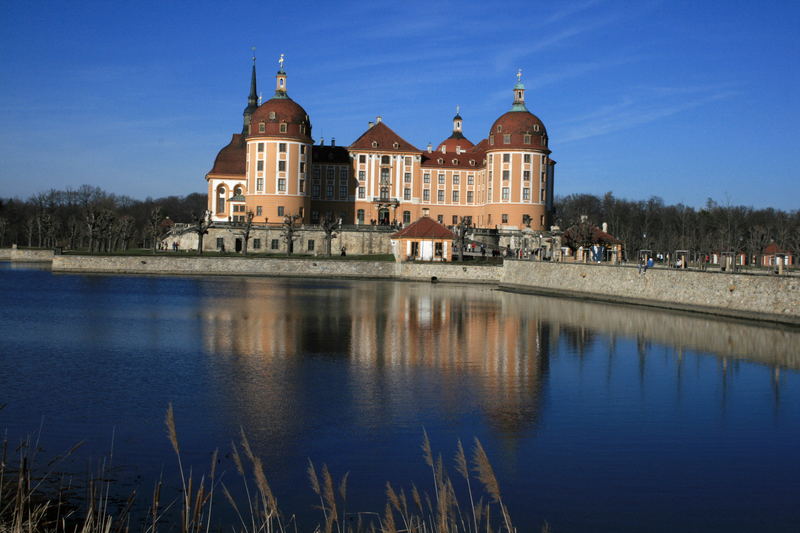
x: 457, y: 121
x: 280, y: 80
x: 519, y: 94
x: 252, y: 99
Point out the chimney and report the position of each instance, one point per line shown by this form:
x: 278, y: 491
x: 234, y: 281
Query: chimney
x: 333, y: 141
x: 605, y: 227
x: 378, y: 119
x: 430, y: 148
x: 322, y: 141
x: 371, y: 123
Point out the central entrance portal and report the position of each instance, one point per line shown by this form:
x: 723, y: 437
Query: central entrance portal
x: 383, y: 216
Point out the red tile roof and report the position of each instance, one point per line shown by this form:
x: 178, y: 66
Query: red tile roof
x: 285, y: 111
x: 231, y: 159
x: 424, y: 228
x: 385, y: 138
x: 517, y: 124
x: 773, y: 248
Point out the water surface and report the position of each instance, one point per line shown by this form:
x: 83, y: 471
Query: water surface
x: 596, y: 417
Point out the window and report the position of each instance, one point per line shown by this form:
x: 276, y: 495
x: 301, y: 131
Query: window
x: 408, y: 160
x: 316, y: 171
x: 261, y: 127
x: 261, y: 148
x: 455, y: 161
x: 273, y: 244
x: 407, y: 177
x: 385, y: 176
x: 406, y: 217
x: 505, y: 193
x: 426, y: 195
x: 440, y: 196
x: 282, y: 184
x: 362, y: 192
x: 283, y: 127
x: 315, y: 190
x: 455, y: 197
x: 455, y: 219
x: 491, y: 140
x: 362, y: 158
x: 343, y: 191
x: 541, y: 195
x: 282, y: 147
x: 470, y: 180
x: 302, y: 146
x: 256, y: 244
x: 310, y: 245
x: 472, y: 162
x: 526, y: 175
x: 220, y: 243
x: 426, y: 212
x: 221, y: 200
x: 272, y: 115
x: 362, y: 175
x: 406, y: 194
x: 526, y: 194
x: 315, y: 217
x: 260, y: 184
x: 280, y: 210
x: 374, y: 144
x: 441, y: 179
x: 343, y: 172
x: 506, y: 158
x: 440, y: 220
x: 385, y: 160
x: 281, y: 166
x: 260, y: 165
x: 384, y: 193
x: 535, y: 127
x: 506, y: 175
x: 456, y: 179
x: 526, y: 138
x: 426, y: 178
x: 302, y: 185
x: 329, y: 190
x: 440, y: 160
x: 302, y: 167
x: 396, y: 145
x: 504, y: 218
x: 360, y: 216
x: 470, y: 197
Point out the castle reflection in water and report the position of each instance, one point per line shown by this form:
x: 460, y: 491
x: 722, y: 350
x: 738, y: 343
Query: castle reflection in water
x: 496, y: 343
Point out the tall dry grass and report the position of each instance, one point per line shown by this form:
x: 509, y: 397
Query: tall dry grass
x: 37, y: 499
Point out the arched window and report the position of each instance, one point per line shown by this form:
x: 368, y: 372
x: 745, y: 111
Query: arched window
x: 237, y: 191
x: 455, y: 161
x: 374, y: 144
x: 396, y: 145
x: 220, y: 199
x: 535, y: 127
x: 440, y: 161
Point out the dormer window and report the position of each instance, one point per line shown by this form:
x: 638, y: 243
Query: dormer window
x: 499, y: 128
x: 283, y: 127
x: 458, y: 149
x: 396, y: 145
x: 455, y: 161
x: 440, y: 161
x: 374, y: 144
x: 506, y: 138
x: 272, y: 115
x: 491, y: 140
x: 302, y: 128
x: 472, y: 162
x: 444, y: 149
x: 261, y: 127
x: 526, y: 138
x: 535, y: 127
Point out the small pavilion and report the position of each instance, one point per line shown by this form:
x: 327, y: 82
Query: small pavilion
x: 423, y: 240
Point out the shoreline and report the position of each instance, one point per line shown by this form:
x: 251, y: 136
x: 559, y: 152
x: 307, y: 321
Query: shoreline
x: 742, y: 296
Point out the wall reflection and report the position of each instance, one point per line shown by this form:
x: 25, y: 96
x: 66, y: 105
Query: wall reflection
x: 493, y: 345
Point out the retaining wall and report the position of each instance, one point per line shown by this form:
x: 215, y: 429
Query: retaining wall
x: 738, y: 295
x: 26, y: 256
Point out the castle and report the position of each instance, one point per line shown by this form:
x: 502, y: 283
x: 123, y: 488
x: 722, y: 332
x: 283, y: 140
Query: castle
x: 273, y: 169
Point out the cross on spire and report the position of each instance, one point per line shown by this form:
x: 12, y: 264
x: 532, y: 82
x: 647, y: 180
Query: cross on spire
x: 280, y: 61
x: 458, y: 109
x: 519, y: 74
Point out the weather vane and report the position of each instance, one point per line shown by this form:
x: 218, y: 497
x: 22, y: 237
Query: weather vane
x: 519, y: 75
x: 458, y: 109
x: 280, y: 61
x: 253, y: 48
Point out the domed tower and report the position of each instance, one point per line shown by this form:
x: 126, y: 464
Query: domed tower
x: 278, y: 157
x: 519, y: 169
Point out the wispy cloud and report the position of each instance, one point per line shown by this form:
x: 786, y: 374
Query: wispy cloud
x: 641, y: 108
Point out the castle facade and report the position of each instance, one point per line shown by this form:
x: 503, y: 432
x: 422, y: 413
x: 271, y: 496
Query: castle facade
x: 274, y: 169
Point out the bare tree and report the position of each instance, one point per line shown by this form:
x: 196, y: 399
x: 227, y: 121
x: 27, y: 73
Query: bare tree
x: 3, y: 228
x: 289, y: 232
x: 461, y: 236
x: 329, y: 226
x: 200, y: 224
x: 245, y: 231
x: 154, y: 228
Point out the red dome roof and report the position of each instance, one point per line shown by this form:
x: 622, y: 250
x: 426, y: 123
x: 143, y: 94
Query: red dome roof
x: 231, y: 159
x: 277, y: 111
x: 518, y: 124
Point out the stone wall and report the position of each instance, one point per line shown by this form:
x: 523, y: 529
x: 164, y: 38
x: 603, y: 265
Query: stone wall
x: 5, y: 254
x: 28, y: 256
x: 366, y: 241
x: 741, y: 295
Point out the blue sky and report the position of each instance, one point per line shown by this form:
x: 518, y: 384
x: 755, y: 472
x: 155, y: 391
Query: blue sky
x: 683, y: 100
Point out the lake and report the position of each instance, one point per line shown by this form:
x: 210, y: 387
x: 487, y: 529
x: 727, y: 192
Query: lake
x: 595, y: 417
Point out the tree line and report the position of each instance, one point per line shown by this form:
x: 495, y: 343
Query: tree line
x: 89, y: 218
x: 653, y: 225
